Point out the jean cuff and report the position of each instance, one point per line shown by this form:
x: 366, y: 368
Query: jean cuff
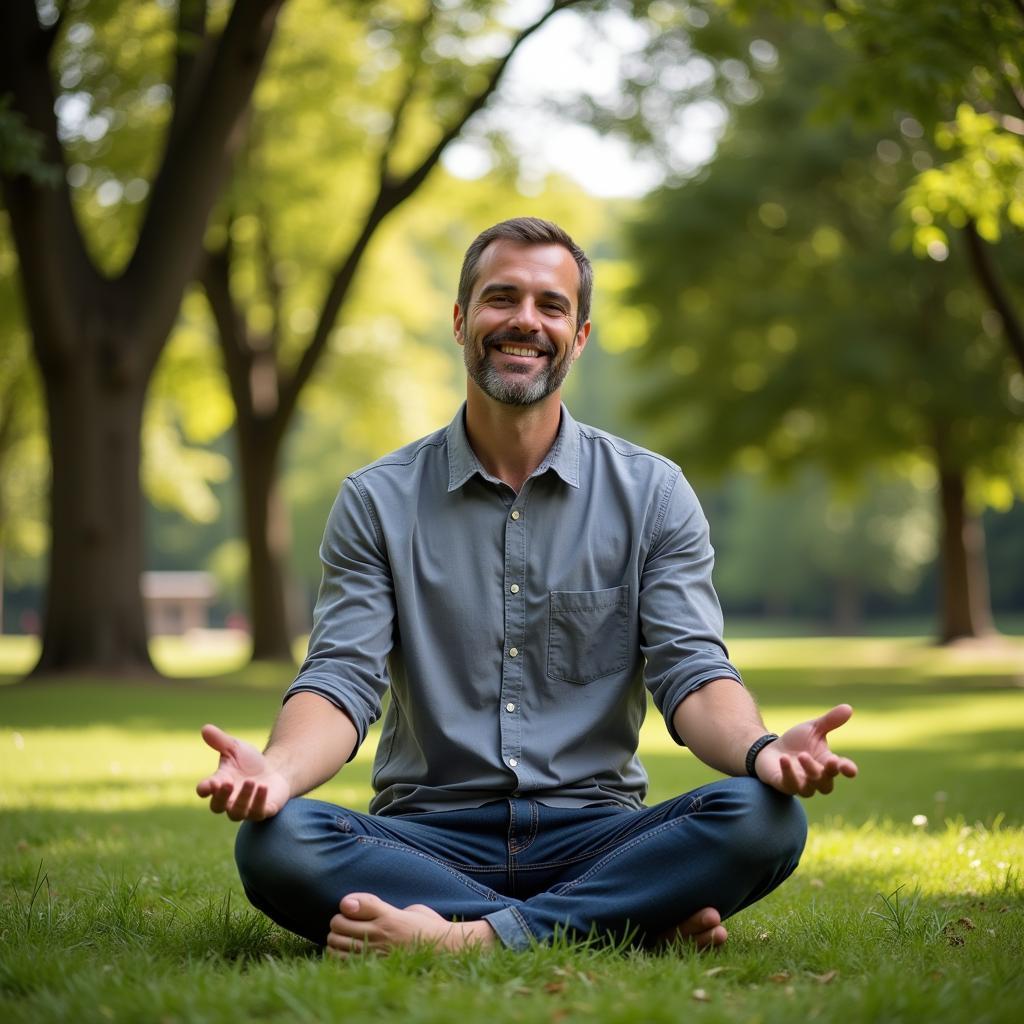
x: 509, y: 926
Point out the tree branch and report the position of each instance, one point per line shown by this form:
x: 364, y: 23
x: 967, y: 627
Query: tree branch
x: 59, y: 280
x: 215, y: 278
x: 391, y: 194
x: 194, y: 167
x: 988, y: 280
x: 406, y: 186
x: 193, y: 53
x: 415, y: 67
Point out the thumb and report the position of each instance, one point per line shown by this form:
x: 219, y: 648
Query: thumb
x: 218, y: 739
x: 839, y: 715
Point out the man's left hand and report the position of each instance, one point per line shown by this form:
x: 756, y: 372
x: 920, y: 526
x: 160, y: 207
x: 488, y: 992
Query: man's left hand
x: 800, y: 763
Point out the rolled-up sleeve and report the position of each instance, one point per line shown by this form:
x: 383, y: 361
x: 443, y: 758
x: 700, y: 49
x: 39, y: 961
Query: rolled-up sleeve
x: 353, y: 623
x: 680, y: 617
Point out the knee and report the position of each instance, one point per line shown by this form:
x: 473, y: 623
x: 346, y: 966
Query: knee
x: 266, y: 852
x: 767, y: 826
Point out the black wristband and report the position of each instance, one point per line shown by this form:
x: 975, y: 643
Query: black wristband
x: 755, y: 748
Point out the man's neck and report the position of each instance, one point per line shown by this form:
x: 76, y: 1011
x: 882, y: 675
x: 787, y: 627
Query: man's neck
x: 511, y: 440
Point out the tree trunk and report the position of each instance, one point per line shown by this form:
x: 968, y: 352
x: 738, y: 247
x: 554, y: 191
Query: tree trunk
x: 94, y: 617
x: 847, y: 606
x: 268, y: 535
x: 966, y: 609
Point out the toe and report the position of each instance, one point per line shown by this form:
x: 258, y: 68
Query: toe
x: 363, y: 906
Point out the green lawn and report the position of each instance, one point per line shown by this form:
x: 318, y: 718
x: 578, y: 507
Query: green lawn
x: 118, y: 899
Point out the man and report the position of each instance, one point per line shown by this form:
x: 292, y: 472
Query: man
x: 517, y: 579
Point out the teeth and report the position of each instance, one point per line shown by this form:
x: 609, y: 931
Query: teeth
x: 514, y: 350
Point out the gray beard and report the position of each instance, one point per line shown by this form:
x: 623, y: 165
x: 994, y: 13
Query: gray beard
x: 507, y: 389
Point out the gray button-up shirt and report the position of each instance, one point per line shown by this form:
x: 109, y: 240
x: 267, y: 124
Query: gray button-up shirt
x: 516, y: 631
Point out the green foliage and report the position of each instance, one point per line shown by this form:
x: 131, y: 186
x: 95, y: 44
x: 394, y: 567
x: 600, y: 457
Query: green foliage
x: 785, y: 329
x: 823, y: 546
x: 982, y: 181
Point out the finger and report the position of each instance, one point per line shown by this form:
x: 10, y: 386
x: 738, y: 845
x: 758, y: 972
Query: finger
x: 839, y: 715
x: 848, y: 768
x: 258, y: 808
x: 218, y: 739
x: 792, y: 782
x: 812, y: 769
x: 220, y: 795
x: 239, y: 808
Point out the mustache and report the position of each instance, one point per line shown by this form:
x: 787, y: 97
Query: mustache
x: 516, y: 337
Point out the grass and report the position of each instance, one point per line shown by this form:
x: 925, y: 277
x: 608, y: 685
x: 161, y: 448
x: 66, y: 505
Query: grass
x: 119, y: 901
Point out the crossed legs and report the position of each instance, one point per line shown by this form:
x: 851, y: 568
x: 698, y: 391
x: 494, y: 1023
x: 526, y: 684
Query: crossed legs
x: 463, y: 878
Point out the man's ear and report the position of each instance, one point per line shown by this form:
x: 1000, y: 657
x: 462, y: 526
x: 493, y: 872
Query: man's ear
x: 458, y: 321
x: 581, y: 337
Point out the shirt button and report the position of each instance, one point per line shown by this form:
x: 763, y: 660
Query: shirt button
x: 512, y: 762
x: 513, y: 652
x: 514, y: 588
x: 510, y: 707
x: 516, y: 513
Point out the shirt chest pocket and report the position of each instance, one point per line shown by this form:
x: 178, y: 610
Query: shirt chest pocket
x: 588, y: 633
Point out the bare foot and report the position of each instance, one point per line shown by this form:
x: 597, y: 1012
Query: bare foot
x: 366, y: 923
x: 703, y: 929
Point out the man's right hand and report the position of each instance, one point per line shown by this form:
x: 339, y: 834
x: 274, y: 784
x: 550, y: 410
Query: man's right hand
x: 245, y: 786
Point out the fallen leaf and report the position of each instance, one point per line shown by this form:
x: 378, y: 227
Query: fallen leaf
x: 701, y: 996
x: 827, y: 978
x: 764, y: 936
x: 779, y: 977
x: 553, y: 987
x: 712, y: 971
x: 967, y: 923
x: 817, y: 883
x: 22, y: 845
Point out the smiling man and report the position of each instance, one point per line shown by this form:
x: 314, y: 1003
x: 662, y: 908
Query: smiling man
x: 519, y: 582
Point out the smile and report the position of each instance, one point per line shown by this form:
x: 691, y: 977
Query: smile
x: 517, y: 350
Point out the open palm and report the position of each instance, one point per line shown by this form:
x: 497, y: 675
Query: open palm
x: 244, y: 786
x: 800, y: 762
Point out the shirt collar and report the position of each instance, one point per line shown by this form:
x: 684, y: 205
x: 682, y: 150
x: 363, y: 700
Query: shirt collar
x: 563, y: 456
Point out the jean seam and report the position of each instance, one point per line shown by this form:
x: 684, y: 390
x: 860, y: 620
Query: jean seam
x: 587, y: 875
x: 480, y: 890
x: 534, y: 831
x: 613, y: 844
x: 522, y: 922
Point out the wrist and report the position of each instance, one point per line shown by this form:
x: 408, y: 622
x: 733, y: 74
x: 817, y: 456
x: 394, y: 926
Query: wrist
x: 750, y: 762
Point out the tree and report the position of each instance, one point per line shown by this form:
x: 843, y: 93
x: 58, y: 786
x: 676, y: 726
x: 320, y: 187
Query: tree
x: 99, y: 321
x: 277, y: 281
x: 955, y: 72
x: 794, y: 332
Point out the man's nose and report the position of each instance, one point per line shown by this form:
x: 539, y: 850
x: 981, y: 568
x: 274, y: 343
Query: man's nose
x: 525, y: 317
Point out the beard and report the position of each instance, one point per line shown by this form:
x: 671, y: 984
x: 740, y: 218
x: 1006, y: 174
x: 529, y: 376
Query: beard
x: 517, y: 385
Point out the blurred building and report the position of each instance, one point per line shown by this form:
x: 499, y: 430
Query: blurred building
x: 177, y: 602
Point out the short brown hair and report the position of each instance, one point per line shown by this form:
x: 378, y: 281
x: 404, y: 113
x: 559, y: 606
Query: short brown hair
x: 527, y: 231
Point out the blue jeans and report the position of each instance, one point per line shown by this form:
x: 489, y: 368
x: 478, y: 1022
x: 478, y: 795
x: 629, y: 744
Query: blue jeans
x: 531, y: 871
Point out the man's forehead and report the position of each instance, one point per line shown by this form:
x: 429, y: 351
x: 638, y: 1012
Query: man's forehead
x: 517, y: 261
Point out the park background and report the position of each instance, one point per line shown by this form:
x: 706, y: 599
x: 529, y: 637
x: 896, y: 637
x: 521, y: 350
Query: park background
x: 230, y: 239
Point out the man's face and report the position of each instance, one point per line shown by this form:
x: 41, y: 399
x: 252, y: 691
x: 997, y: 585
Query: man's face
x: 519, y: 333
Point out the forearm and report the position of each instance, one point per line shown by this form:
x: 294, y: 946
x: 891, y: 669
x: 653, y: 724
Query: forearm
x: 310, y: 742
x: 719, y: 722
